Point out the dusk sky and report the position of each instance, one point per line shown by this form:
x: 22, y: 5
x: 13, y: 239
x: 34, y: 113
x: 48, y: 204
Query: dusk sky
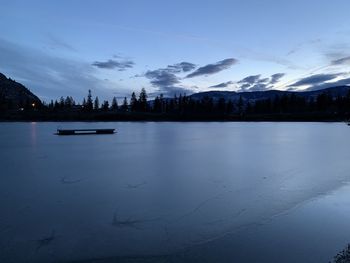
x: 60, y: 48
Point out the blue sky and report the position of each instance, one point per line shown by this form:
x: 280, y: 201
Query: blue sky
x: 114, y: 47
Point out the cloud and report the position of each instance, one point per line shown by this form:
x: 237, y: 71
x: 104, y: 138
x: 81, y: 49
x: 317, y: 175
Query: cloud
x: 165, y: 77
x: 167, y: 83
x: 213, y: 68
x: 276, y: 77
x: 49, y: 76
x: 341, y: 82
x: 166, y: 80
x: 222, y: 85
x: 341, y: 61
x: 315, y: 79
x: 265, y: 80
x: 181, y: 67
x: 244, y: 87
x: 114, y: 64
x: 299, y: 46
x: 161, y: 78
x: 256, y: 83
x: 250, y: 79
x: 57, y: 43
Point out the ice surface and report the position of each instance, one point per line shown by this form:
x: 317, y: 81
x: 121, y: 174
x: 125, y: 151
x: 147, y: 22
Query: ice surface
x: 157, y: 189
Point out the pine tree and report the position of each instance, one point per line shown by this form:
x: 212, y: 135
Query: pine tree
x: 105, y: 105
x: 156, y: 105
x: 143, y: 100
x: 89, y: 105
x: 125, y: 104
x: 68, y: 102
x: 51, y: 105
x: 96, y: 104
x: 61, y: 103
x: 162, y: 103
x: 83, y: 104
x: 133, y: 102
x: 114, y: 105
x: 57, y: 105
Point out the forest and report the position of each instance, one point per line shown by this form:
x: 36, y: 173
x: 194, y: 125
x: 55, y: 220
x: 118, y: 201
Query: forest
x: 323, y: 107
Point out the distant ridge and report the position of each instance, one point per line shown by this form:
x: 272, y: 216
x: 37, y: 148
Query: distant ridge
x: 253, y: 96
x: 331, y: 104
x: 15, y: 95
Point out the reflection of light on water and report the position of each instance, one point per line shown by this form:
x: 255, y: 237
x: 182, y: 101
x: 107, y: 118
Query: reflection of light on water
x: 33, y: 133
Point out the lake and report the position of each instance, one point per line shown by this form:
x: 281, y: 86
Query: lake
x: 174, y: 192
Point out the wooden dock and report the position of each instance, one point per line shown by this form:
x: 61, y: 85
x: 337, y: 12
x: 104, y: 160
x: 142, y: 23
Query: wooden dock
x: 84, y: 131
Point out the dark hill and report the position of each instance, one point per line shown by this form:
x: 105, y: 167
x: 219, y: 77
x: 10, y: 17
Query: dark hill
x: 14, y: 95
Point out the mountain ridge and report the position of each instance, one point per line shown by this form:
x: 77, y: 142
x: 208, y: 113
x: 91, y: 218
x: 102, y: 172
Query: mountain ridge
x: 253, y: 96
x: 16, y: 94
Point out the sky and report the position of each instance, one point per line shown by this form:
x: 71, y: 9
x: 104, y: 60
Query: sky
x: 66, y: 47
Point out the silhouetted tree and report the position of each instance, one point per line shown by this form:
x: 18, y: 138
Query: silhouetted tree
x: 114, y: 105
x: 84, y: 103
x: 69, y: 102
x: 89, y: 105
x: 57, y: 105
x: 61, y: 103
x: 157, y: 105
x: 105, y: 105
x: 133, y: 102
x: 96, y: 104
x: 51, y: 105
x: 125, y: 104
x: 142, y: 102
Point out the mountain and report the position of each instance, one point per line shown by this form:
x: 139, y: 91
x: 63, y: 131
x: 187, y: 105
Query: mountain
x: 253, y: 96
x: 14, y: 95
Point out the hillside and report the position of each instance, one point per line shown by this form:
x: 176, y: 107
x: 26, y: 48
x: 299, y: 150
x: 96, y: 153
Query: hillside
x: 14, y: 95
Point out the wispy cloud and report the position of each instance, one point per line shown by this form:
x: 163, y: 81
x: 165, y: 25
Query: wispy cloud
x: 114, y: 64
x: 222, y: 85
x: 256, y: 83
x: 181, y: 67
x: 213, y: 68
x: 315, y: 79
x: 341, y: 61
x: 55, y: 42
x: 161, y: 78
x: 250, y: 79
x: 341, y: 82
x: 276, y: 77
x: 299, y: 46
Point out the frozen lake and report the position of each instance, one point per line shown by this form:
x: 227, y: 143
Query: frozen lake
x: 179, y: 192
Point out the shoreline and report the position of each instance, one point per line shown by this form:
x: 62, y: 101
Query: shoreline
x: 126, y: 117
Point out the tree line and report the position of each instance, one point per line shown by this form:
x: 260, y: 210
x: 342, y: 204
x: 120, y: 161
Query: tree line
x: 184, y: 106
